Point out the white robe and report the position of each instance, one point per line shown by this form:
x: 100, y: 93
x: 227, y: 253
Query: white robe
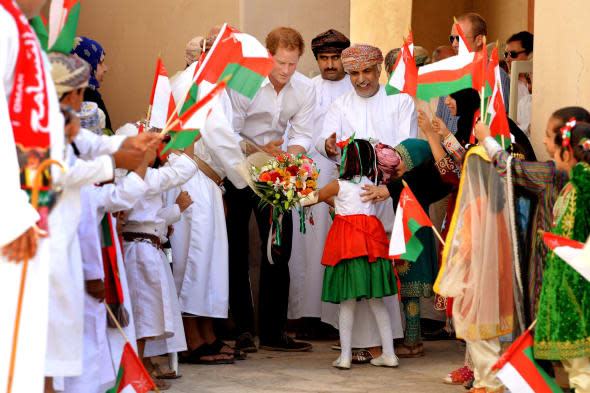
x: 305, y: 267
x: 389, y: 120
x: 102, y: 349
x: 17, y: 217
x: 151, y: 285
x: 66, y: 280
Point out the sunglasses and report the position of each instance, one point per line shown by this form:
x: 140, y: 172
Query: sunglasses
x: 512, y: 54
x: 452, y: 38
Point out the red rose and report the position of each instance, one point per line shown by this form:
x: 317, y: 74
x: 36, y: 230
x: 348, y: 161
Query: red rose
x: 274, y: 176
x: 293, y: 170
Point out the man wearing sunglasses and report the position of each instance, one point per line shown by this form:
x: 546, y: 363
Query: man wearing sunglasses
x: 518, y: 47
x: 474, y: 28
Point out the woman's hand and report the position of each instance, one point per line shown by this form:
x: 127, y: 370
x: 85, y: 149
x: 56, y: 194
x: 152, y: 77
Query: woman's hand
x: 424, y: 123
x: 482, y: 131
x: 375, y: 193
x: 439, y: 126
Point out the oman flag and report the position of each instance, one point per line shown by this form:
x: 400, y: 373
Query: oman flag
x: 409, y: 218
x: 464, y: 47
x: 239, y: 55
x: 496, y: 118
x: 404, y: 78
x: 186, y: 128
x: 161, y: 102
x: 519, y: 371
x: 132, y: 376
x: 63, y: 22
x: 574, y: 253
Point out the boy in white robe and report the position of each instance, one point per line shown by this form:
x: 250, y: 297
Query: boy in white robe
x: 151, y: 285
x: 21, y: 216
x: 66, y: 282
x: 100, y: 362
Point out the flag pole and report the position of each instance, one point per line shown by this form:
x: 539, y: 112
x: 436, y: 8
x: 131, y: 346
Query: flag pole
x: 114, y: 319
x: 483, y: 88
x: 433, y: 228
x: 23, y: 278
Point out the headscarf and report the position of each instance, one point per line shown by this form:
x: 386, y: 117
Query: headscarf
x: 421, y: 56
x: 391, y: 58
x: 68, y: 72
x: 193, y: 50
x: 413, y: 152
x: 467, y: 104
x: 92, y: 52
x: 361, y: 56
x: 329, y: 41
x: 387, y: 160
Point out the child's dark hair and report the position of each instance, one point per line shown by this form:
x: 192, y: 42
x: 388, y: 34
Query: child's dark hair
x: 565, y: 114
x: 578, y: 135
x: 359, y: 161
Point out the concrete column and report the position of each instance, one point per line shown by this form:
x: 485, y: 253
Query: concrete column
x: 382, y: 23
x: 561, y: 66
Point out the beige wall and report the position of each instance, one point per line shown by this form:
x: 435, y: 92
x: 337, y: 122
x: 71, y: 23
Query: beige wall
x: 504, y: 18
x: 134, y: 32
x: 561, y: 66
x: 382, y: 23
x: 309, y: 17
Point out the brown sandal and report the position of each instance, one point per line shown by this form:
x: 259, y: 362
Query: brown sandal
x: 160, y: 383
x: 362, y: 356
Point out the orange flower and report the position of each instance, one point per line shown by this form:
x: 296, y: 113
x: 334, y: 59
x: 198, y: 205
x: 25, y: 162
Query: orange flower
x: 307, y: 191
x: 264, y: 176
x: 311, y: 183
x: 298, y: 183
x: 315, y: 175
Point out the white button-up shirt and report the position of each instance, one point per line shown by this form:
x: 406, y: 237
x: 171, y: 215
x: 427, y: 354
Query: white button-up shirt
x: 267, y: 116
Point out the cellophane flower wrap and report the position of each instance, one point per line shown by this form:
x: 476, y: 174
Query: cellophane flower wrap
x: 285, y: 180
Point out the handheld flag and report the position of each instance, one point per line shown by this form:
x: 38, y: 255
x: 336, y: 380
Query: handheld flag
x: 570, y: 251
x: 497, y: 120
x: 132, y: 376
x: 404, y: 78
x: 186, y: 128
x: 519, y: 371
x: 161, y: 102
x: 63, y: 22
x: 409, y: 218
x: 464, y: 47
x: 237, y: 54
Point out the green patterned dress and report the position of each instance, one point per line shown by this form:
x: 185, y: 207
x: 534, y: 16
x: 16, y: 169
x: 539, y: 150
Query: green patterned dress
x: 563, y: 318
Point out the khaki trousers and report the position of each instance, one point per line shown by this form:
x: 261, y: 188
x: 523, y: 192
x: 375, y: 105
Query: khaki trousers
x: 484, y: 354
x: 578, y: 371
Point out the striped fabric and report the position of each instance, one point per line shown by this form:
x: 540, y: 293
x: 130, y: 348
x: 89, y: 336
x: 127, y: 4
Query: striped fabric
x: 545, y: 181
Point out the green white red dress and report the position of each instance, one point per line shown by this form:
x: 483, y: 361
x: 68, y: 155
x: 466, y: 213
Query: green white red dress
x: 356, y: 254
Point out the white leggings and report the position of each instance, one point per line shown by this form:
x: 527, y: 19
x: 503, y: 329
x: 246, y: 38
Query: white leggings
x: 346, y: 320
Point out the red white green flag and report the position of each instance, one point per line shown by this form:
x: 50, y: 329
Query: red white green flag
x: 445, y: 77
x: 161, y: 102
x: 404, y: 78
x: 192, y: 120
x: 132, y: 376
x: 464, y: 47
x: 237, y: 54
x: 571, y: 251
x: 496, y: 118
x: 519, y: 371
x: 409, y: 218
x: 63, y: 22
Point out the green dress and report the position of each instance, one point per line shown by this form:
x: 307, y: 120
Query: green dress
x: 563, y: 319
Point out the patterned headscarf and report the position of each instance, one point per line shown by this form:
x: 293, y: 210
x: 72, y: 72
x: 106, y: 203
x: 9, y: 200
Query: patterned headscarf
x: 92, y: 52
x: 361, y: 56
x: 68, y: 72
x: 329, y: 41
x: 414, y: 152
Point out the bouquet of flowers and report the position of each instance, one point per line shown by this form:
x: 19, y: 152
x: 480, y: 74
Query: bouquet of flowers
x: 284, y: 181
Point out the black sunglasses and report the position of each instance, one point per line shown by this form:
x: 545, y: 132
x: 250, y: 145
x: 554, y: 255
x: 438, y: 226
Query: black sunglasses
x: 513, y: 53
x: 452, y: 38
